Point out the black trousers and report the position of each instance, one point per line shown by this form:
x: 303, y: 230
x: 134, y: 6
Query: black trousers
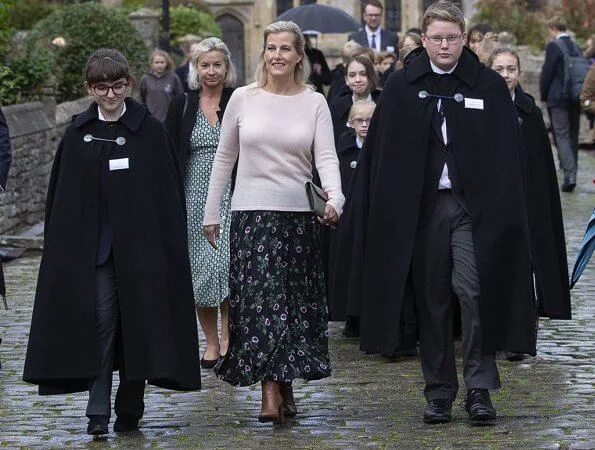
x: 443, y: 263
x: 129, y: 398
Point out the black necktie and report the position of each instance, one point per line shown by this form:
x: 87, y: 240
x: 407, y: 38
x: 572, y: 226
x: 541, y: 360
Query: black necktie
x: 373, y: 42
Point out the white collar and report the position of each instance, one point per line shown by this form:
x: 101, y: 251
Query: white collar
x: 359, y: 141
x: 370, y: 32
x: 439, y: 71
x: 101, y: 117
x: 562, y: 35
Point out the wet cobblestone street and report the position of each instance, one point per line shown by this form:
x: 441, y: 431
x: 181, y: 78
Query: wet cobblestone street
x: 546, y: 402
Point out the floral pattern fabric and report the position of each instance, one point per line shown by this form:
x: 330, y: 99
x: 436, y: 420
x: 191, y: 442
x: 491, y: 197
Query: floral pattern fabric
x: 209, y: 267
x: 277, y: 306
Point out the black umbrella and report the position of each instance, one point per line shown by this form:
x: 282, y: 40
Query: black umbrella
x: 321, y: 18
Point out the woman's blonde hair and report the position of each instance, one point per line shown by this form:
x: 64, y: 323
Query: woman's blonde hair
x: 302, y: 68
x: 207, y: 45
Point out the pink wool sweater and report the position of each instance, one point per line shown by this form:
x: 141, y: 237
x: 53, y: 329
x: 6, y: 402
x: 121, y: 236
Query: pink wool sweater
x: 275, y: 137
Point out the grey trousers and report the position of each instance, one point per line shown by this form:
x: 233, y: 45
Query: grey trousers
x: 129, y: 398
x: 444, y: 262
x: 565, y: 124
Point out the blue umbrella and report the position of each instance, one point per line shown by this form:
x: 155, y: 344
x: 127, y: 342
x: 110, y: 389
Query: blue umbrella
x: 585, y: 251
x: 321, y: 18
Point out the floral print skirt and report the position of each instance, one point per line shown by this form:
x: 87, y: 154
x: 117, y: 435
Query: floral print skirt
x: 277, y: 304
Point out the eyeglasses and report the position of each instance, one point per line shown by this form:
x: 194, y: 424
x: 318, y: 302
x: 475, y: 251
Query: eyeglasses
x: 101, y: 90
x: 437, y: 40
x: 360, y: 120
x: 373, y: 15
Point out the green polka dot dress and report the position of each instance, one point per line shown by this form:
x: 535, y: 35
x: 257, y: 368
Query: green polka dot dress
x: 210, y: 267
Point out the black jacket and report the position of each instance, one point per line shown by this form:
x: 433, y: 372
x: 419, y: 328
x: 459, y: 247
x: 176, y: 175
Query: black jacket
x: 381, y: 216
x: 180, y: 124
x: 158, y: 333
x: 548, y: 246
x: 551, y: 80
x: 387, y: 39
x: 315, y: 56
x: 340, y: 107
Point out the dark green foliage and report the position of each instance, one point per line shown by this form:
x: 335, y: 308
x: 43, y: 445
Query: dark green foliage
x: 85, y: 27
x: 22, y: 77
x: 5, y: 30
x: 26, y: 13
x: 518, y: 17
x: 185, y: 20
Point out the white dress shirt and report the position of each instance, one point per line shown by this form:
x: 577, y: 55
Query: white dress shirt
x: 376, y: 35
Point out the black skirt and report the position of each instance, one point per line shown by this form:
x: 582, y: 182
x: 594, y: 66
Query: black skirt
x: 277, y: 309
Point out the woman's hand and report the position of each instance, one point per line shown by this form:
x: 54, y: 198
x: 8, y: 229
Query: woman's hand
x: 330, y: 216
x: 211, y: 232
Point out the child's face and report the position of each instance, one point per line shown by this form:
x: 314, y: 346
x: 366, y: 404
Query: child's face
x: 158, y: 64
x: 361, y: 121
x: 507, y: 65
x: 386, y: 63
x: 109, y: 95
x: 357, y: 78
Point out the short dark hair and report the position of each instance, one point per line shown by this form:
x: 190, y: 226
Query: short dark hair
x: 557, y: 23
x: 368, y: 66
x: 375, y: 3
x: 107, y: 64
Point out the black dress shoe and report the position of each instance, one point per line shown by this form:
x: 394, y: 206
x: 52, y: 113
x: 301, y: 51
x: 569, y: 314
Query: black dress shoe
x: 479, y: 405
x: 568, y: 187
x: 351, y: 327
x: 97, y: 425
x: 438, y: 411
x: 125, y: 424
x: 208, y: 363
x: 514, y: 356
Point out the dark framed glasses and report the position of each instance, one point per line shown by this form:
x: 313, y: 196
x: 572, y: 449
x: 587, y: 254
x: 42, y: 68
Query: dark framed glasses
x: 101, y: 90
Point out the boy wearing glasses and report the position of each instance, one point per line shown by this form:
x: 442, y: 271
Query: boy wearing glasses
x: 440, y: 189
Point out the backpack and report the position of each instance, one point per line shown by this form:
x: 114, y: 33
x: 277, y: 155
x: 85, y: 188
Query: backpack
x: 575, y: 70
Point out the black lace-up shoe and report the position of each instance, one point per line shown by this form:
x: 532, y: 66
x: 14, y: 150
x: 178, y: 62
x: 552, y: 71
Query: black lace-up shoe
x: 97, y: 425
x: 438, y: 411
x: 479, y: 406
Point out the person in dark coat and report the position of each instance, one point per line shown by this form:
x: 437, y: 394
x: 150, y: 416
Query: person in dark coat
x: 548, y: 245
x: 5, y: 161
x: 194, y: 121
x: 114, y: 288
x: 564, y: 112
x: 372, y: 35
x: 361, y: 84
x: 321, y: 74
x: 439, y: 199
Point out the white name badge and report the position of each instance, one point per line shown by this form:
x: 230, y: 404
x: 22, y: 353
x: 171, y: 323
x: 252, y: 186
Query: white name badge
x: 118, y: 164
x: 473, y: 103
x: 390, y: 48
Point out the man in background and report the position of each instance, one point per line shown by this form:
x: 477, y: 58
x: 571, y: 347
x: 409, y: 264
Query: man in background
x: 372, y: 35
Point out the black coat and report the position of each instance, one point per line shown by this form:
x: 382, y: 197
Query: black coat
x: 551, y: 79
x: 337, y: 82
x: 382, y: 213
x: 5, y: 150
x: 315, y: 56
x: 158, y: 333
x: 387, y: 39
x: 180, y: 124
x: 548, y: 246
x: 340, y: 107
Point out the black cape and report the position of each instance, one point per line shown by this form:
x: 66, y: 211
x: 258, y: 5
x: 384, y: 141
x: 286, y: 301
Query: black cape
x: 548, y: 245
x: 381, y: 216
x: 158, y: 333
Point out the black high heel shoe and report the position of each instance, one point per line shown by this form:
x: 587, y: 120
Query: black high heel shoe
x: 208, y: 363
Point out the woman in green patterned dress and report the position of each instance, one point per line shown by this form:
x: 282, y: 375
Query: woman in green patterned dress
x: 194, y: 121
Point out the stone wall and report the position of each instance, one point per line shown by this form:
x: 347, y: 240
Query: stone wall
x: 34, y: 138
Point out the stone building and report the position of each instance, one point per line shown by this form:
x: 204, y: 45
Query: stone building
x: 242, y: 22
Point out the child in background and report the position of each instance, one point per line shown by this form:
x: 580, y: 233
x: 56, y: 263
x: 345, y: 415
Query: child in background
x: 160, y: 84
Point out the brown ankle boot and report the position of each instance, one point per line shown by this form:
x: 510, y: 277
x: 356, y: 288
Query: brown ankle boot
x: 289, y: 408
x: 272, y: 403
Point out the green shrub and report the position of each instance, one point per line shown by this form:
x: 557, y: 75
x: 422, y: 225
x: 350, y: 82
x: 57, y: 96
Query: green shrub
x: 85, y: 27
x: 185, y: 20
x: 521, y: 18
x: 5, y: 29
x: 22, y: 77
x: 26, y: 13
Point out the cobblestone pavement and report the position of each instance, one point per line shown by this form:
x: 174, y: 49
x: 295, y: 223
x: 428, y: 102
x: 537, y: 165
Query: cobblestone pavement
x: 546, y: 402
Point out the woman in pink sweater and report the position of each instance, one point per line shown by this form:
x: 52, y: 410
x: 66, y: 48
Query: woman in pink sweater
x: 275, y: 129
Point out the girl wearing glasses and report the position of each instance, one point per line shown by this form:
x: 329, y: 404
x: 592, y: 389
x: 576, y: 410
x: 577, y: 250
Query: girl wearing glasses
x: 114, y: 288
